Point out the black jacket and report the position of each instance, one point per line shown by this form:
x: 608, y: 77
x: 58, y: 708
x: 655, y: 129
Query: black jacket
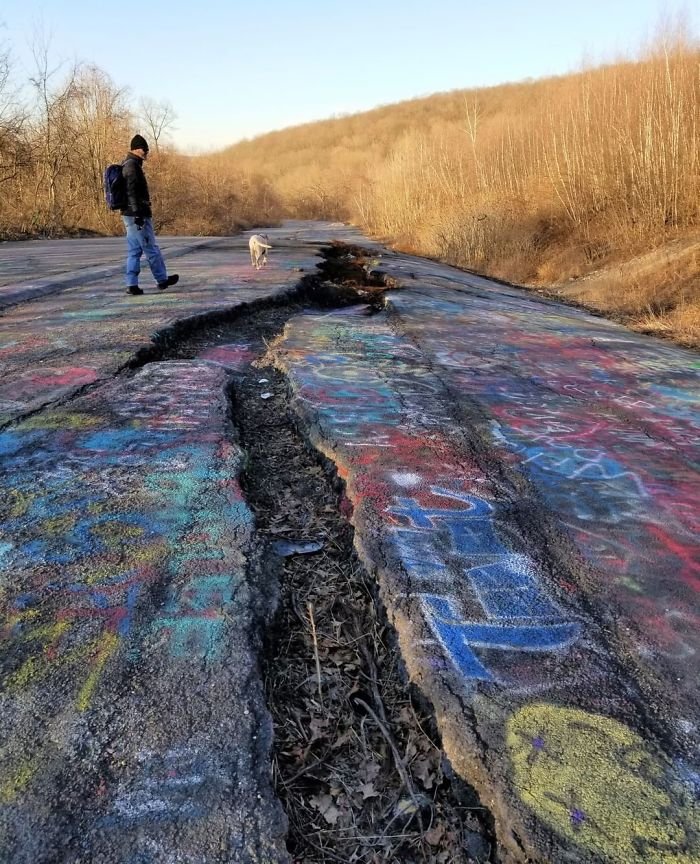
x: 136, y: 187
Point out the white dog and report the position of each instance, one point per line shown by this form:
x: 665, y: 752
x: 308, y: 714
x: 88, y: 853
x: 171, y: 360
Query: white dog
x: 258, y: 245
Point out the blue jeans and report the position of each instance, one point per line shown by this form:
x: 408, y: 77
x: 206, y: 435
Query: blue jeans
x: 140, y: 241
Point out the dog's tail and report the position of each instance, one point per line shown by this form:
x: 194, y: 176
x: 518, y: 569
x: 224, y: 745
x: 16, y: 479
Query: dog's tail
x: 264, y: 245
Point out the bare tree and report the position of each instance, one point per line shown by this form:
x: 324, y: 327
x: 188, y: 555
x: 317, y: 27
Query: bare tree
x: 158, y: 118
x: 13, y: 119
x: 55, y: 134
x: 98, y: 109
x: 472, y: 115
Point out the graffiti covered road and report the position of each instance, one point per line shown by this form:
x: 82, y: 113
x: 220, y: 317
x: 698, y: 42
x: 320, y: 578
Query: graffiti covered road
x: 40, y: 267
x: 55, y: 345
x: 523, y: 483
x: 133, y: 727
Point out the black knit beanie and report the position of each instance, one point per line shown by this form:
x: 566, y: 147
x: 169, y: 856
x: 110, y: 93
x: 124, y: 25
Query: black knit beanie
x: 138, y: 142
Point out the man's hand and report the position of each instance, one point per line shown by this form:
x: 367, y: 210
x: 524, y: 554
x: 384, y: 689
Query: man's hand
x: 138, y: 221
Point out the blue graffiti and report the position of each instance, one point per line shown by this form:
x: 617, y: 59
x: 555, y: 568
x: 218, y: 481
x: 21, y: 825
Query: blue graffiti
x: 194, y: 619
x: 519, y: 614
x: 192, y: 636
x: 11, y: 442
x: 202, y: 594
x: 474, y: 537
x: 459, y: 637
x: 421, y: 517
x: 417, y: 552
x: 87, y: 536
x: 508, y: 589
x: 471, y: 529
x: 103, y: 601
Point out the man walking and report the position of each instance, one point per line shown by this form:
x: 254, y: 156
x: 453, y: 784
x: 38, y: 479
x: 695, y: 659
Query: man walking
x: 140, y: 237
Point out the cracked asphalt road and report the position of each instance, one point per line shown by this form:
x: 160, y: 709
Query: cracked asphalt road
x: 133, y: 721
x: 524, y: 485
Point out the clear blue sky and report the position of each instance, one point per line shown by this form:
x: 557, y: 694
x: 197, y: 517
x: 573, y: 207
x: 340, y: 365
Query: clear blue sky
x: 233, y: 69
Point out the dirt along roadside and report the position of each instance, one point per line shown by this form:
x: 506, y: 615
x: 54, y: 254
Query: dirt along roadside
x: 656, y: 293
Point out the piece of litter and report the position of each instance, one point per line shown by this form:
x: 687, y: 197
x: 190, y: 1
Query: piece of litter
x: 265, y: 395
x: 284, y: 548
x: 263, y: 381
x: 405, y: 807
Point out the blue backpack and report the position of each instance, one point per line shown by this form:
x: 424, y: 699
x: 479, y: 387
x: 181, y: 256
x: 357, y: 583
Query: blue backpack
x: 115, y: 188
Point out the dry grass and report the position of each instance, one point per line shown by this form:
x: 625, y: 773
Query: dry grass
x: 682, y: 324
x: 656, y: 293
x: 536, y: 182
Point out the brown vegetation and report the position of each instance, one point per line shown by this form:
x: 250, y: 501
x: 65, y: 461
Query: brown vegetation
x: 656, y: 293
x: 540, y: 182
x: 54, y: 149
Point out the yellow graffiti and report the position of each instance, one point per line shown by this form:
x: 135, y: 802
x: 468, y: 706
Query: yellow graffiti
x: 39, y: 665
x: 109, y: 645
x: 600, y: 785
x: 59, y: 420
x: 17, y: 503
x: 114, y: 533
x: 34, y: 667
x: 16, y: 618
x: 16, y: 781
x: 136, y: 557
x: 58, y: 525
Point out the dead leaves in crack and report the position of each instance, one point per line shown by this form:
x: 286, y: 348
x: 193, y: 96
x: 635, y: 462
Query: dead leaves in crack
x: 357, y: 770
x: 360, y: 777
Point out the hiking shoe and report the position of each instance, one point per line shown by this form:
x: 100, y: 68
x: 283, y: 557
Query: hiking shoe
x: 171, y: 280
x: 134, y: 289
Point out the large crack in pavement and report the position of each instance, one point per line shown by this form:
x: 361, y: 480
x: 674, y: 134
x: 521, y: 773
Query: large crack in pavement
x: 428, y: 601
x: 236, y: 347
x: 357, y: 759
x: 495, y: 621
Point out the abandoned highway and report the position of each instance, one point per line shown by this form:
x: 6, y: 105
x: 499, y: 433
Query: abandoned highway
x: 504, y: 489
